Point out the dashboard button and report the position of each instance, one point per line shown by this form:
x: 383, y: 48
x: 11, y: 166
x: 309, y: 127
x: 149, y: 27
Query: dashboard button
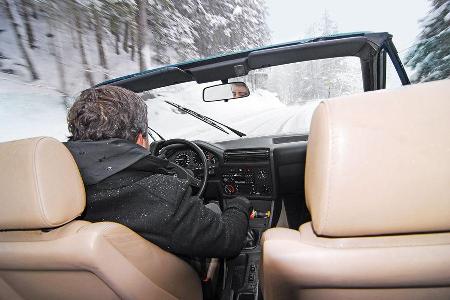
x: 230, y: 189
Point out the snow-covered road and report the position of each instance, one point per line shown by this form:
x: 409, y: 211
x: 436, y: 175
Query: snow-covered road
x: 27, y: 112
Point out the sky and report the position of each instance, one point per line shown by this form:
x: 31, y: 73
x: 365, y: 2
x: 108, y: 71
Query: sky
x: 289, y: 19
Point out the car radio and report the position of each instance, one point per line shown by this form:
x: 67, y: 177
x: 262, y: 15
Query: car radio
x: 247, y: 181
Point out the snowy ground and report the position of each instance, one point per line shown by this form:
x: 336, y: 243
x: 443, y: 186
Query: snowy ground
x: 259, y: 114
x: 34, y: 108
x: 30, y: 111
x: 33, y: 111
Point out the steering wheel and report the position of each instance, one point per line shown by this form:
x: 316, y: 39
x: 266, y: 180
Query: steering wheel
x: 163, y: 146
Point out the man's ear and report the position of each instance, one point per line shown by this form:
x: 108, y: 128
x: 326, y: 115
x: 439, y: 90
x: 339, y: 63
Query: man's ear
x: 142, y: 141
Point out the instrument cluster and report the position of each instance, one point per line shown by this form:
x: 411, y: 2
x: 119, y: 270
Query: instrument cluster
x: 189, y: 159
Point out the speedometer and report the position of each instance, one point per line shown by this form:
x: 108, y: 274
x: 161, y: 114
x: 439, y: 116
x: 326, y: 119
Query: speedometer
x: 182, y: 159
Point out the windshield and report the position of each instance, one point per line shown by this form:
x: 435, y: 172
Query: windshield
x: 282, y: 100
x: 50, y: 51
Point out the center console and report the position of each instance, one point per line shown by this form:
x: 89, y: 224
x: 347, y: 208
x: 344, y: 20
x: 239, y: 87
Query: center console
x: 249, y: 181
x: 248, y: 173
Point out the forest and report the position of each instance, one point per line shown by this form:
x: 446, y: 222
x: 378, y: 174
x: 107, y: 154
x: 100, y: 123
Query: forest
x: 106, y: 35
x: 69, y: 45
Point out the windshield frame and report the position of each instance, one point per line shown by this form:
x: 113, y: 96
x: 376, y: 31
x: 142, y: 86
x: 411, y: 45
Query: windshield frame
x: 365, y: 45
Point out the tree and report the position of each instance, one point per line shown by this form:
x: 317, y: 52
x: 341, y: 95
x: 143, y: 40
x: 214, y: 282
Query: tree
x: 319, y: 79
x: 52, y: 35
x: 24, y: 5
x: 79, y: 29
x: 141, y: 28
x: 99, y: 39
x: 114, y: 25
x: 429, y: 57
x: 34, y: 13
x: 132, y: 41
x: 23, y: 50
x: 125, y: 37
x: 248, y: 27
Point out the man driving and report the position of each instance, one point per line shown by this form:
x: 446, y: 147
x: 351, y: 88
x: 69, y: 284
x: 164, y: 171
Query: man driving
x: 126, y: 184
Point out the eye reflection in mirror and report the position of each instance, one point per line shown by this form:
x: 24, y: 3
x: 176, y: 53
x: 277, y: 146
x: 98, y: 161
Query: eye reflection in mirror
x: 225, y: 91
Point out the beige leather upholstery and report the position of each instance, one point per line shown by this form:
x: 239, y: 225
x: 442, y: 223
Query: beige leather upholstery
x: 378, y: 189
x: 295, y: 261
x: 381, y: 160
x: 79, y: 260
x: 41, y: 186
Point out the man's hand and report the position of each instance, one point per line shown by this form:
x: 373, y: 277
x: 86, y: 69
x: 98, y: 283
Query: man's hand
x: 243, y: 203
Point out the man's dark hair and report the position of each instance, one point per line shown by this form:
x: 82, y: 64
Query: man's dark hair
x: 239, y: 83
x: 107, y: 112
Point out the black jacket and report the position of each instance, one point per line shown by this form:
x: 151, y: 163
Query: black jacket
x: 125, y: 184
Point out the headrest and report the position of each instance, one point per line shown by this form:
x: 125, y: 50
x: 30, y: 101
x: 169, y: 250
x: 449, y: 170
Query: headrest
x: 379, y: 162
x: 40, y: 185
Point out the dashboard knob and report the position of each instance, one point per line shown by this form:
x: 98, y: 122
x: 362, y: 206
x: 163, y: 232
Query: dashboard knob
x: 230, y: 189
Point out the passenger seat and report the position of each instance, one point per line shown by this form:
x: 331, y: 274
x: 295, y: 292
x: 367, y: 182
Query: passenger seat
x: 378, y: 188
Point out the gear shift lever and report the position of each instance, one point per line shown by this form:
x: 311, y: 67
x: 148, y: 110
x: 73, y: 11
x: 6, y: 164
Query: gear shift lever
x: 252, y: 239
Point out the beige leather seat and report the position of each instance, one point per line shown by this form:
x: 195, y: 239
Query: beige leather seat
x: 378, y: 189
x: 44, y: 254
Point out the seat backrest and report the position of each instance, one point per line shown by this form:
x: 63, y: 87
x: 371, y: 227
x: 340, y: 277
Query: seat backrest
x: 46, y: 255
x: 377, y: 185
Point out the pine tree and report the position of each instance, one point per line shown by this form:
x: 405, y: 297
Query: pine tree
x: 319, y: 79
x: 248, y: 27
x: 171, y: 28
x: 23, y: 50
x: 430, y: 55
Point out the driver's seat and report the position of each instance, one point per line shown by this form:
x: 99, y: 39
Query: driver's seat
x: 45, y: 254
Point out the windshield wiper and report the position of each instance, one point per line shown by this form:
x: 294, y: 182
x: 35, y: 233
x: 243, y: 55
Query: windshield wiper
x: 206, y: 119
x: 150, y: 130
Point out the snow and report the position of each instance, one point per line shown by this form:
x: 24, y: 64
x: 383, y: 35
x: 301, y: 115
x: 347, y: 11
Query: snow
x: 447, y: 17
x: 45, y: 62
x: 34, y: 113
x: 35, y: 108
x: 428, y: 56
x: 30, y: 112
x: 259, y: 114
x: 433, y: 14
x: 237, y: 11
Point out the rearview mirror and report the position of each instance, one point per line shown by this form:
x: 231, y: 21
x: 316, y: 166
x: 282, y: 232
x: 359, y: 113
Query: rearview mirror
x: 225, y: 91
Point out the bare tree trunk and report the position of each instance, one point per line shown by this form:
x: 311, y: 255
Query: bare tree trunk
x: 133, y: 46
x: 142, y: 25
x: 99, y: 39
x: 117, y: 36
x: 24, y: 4
x: 34, y: 13
x: 56, y: 53
x: 125, y: 38
x: 89, y: 23
x: 73, y: 35
x: 87, y: 70
x: 34, y: 74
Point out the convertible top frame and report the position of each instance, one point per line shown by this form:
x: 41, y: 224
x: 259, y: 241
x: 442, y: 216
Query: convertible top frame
x: 371, y: 48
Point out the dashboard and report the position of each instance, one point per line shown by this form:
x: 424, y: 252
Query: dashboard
x: 251, y: 167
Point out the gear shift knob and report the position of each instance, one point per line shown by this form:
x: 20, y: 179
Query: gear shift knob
x: 252, y: 239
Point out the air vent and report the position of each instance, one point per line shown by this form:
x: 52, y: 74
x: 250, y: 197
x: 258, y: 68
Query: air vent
x: 246, y: 155
x: 290, y: 139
